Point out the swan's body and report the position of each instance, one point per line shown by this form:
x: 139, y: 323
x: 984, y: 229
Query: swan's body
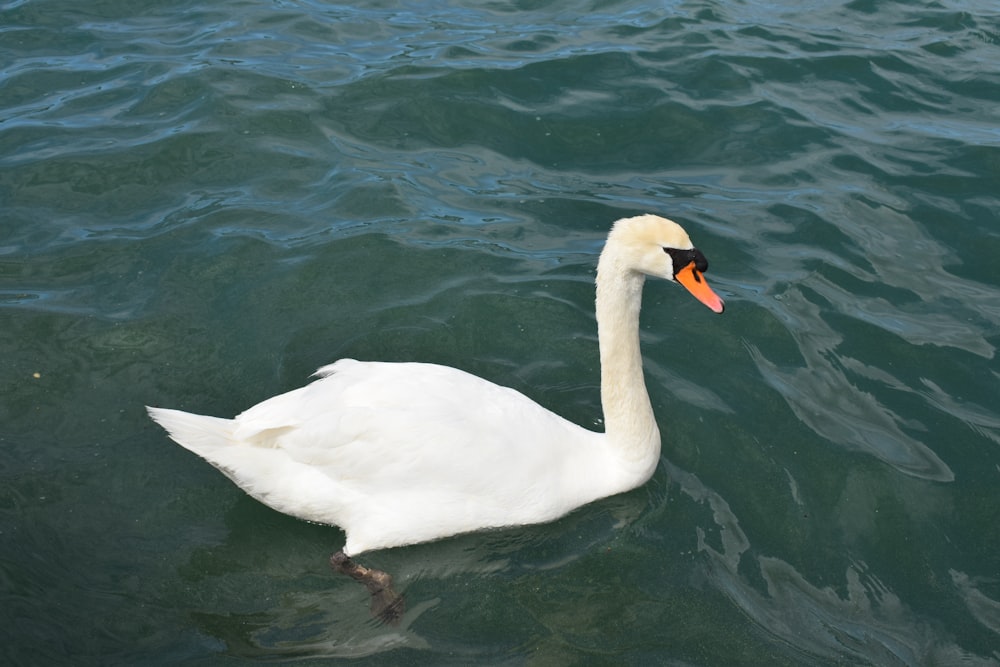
x: 398, y: 453
x: 403, y: 453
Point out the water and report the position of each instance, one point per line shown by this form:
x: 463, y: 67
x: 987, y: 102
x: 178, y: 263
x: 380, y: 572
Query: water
x: 204, y: 202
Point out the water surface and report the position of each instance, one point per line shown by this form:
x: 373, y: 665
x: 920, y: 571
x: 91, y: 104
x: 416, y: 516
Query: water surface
x: 204, y: 202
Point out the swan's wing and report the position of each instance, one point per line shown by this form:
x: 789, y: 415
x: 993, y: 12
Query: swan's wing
x: 405, y: 418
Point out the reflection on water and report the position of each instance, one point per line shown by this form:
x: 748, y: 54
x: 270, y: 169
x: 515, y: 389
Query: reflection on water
x: 822, y: 397
x: 924, y: 308
x: 304, y: 624
x: 985, y: 609
x: 858, y: 616
x: 984, y: 422
x: 902, y: 255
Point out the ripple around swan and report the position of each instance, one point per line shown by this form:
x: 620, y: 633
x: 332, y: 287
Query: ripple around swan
x: 203, y: 202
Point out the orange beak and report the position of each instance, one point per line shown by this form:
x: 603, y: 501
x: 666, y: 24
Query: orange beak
x: 695, y: 283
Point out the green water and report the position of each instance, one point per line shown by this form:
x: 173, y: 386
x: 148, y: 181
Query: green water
x: 201, y: 203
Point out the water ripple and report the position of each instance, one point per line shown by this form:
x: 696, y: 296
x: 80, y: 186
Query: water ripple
x: 234, y: 188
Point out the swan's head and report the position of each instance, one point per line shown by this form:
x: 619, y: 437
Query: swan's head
x: 660, y: 247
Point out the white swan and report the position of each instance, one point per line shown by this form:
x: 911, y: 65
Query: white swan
x: 400, y: 453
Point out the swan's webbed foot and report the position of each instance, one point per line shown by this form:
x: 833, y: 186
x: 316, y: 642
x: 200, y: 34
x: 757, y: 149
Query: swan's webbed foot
x: 387, y: 605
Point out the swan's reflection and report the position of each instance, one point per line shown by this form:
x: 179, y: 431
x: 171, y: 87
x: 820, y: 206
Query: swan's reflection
x: 265, y: 591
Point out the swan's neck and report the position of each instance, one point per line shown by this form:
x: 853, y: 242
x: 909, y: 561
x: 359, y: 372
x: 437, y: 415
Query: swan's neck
x: 628, y: 416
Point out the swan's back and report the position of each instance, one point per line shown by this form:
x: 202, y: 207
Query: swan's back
x: 398, y: 453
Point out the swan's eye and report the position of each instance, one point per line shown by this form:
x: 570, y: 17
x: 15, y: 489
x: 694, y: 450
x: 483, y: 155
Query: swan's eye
x: 682, y: 258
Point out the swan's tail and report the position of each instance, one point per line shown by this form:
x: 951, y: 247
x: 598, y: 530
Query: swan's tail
x: 198, y: 433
